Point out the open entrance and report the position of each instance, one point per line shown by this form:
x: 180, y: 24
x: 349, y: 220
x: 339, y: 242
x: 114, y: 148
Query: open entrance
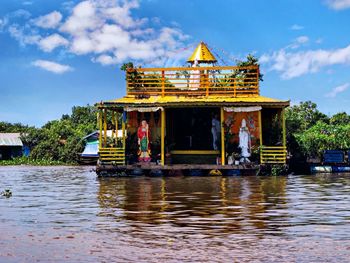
x: 189, y: 134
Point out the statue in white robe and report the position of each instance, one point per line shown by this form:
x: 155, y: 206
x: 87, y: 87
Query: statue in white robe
x: 244, y: 142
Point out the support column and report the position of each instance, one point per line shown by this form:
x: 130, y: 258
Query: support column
x: 105, y: 127
x: 162, y: 138
x: 100, y: 127
x: 260, y: 135
x: 222, y: 136
x: 284, y: 128
x: 116, y: 126
x: 123, y: 128
x: 113, y: 130
x: 284, y: 133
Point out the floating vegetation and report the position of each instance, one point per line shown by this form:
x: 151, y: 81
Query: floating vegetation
x: 6, y: 193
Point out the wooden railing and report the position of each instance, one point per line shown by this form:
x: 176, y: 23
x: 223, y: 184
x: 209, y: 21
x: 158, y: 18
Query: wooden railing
x: 195, y: 81
x: 273, y: 154
x: 112, y: 155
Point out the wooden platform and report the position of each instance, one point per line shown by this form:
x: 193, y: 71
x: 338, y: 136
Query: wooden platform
x: 152, y: 169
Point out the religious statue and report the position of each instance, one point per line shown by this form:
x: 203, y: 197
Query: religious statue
x: 216, y: 131
x: 143, y: 136
x: 244, y: 142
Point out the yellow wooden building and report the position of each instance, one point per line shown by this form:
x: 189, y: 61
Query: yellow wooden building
x: 180, y: 106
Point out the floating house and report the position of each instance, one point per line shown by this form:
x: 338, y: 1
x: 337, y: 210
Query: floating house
x: 200, y: 119
x: 11, y: 146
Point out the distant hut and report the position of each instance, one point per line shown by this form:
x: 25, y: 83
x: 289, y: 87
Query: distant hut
x: 11, y: 146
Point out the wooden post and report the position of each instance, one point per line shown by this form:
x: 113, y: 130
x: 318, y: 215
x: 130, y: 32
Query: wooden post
x: 105, y: 127
x: 116, y: 126
x: 100, y: 127
x: 112, y: 123
x: 284, y: 133
x: 284, y: 128
x: 123, y: 130
x: 222, y: 136
x: 163, y: 83
x: 258, y: 86
x: 162, y: 138
x: 260, y: 135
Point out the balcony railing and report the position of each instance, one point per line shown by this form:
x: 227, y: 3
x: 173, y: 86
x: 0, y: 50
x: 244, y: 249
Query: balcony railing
x: 194, y: 81
x: 273, y: 154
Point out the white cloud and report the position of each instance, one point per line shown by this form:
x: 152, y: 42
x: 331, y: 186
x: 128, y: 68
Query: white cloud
x: 339, y: 89
x: 52, y: 66
x: 299, y: 41
x: 338, y: 4
x: 18, y: 33
x: 105, y: 60
x: 107, y: 31
x: 51, y: 42
x: 296, y: 27
x: 302, y: 39
x: 295, y: 64
x: 50, y: 20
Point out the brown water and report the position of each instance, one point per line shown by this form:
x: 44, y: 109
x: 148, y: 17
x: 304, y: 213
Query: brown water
x: 66, y: 214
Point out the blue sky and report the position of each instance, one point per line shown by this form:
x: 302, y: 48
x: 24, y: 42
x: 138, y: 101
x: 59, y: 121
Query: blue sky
x: 57, y: 54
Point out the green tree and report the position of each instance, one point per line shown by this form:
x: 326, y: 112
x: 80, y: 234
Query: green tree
x: 303, y: 116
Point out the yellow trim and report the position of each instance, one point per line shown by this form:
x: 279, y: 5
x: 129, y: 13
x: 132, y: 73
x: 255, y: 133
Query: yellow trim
x: 284, y: 128
x: 123, y: 131
x: 112, y: 123
x: 222, y: 136
x: 191, y: 101
x: 162, y: 138
x: 100, y: 127
x: 105, y: 127
x: 116, y: 125
x: 260, y: 133
x: 203, y: 152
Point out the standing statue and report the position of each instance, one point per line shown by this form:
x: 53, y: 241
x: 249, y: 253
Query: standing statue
x: 216, y: 131
x: 244, y: 142
x: 143, y: 136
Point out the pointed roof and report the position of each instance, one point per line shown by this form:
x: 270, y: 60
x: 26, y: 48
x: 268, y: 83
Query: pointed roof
x: 202, y: 54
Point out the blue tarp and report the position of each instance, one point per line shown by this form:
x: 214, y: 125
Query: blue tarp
x: 91, y: 149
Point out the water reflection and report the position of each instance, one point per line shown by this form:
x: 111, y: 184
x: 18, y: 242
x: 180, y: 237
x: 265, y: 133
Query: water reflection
x: 57, y: 211
x: 215, y: 205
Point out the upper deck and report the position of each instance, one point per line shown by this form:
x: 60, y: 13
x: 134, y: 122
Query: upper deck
x: 226, y: 81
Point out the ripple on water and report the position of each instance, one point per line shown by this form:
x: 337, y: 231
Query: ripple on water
x: 57, y: 211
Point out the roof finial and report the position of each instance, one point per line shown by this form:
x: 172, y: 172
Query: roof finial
x: 202, y: 54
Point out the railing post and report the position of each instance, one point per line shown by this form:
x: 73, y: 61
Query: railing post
x: 127, y: 82
x: 163, y: 83
x: 257, y: 80
x: 234, y: 88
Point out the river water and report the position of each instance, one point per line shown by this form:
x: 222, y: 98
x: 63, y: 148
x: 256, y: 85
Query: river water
x: 66, y: 214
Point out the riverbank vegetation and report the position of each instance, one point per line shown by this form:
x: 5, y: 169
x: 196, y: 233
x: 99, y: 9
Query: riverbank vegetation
x: 58, y: 141
x: 309, y: 133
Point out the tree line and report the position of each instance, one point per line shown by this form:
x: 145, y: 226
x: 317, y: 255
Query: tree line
x: 57, y: 141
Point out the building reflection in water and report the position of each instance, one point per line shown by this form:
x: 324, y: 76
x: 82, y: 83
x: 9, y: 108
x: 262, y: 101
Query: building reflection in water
x: 211, y: 204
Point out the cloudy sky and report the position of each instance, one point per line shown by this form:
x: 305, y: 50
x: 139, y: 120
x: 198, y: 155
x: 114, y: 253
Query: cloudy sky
x: 56, y: 54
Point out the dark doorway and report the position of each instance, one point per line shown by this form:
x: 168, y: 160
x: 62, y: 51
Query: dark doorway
x: 190, y: 128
